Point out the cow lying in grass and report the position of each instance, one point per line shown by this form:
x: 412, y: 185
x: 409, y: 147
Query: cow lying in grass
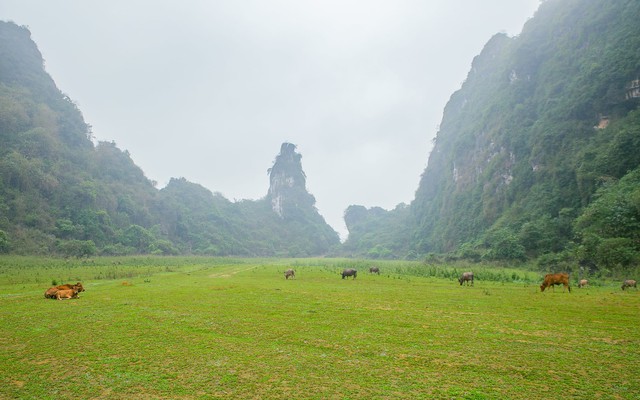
x: 67, y: 294
x: 555, y: 279
x: 51, y: 292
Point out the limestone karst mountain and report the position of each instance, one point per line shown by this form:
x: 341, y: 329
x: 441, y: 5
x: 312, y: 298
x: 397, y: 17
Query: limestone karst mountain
x: 537, y: 153
x: 61, y: 194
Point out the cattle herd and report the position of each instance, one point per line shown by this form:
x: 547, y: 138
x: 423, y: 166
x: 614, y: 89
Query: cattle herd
x: 563, y: 279
x: 70, y: 291
x: 550, y: 280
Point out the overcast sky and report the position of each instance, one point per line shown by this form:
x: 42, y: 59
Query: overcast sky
x: 208, y: 90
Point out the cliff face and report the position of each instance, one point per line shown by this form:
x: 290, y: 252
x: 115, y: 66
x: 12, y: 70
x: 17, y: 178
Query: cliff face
x: 543, y: 122
x: 514, y: 164
x: 512, y: 140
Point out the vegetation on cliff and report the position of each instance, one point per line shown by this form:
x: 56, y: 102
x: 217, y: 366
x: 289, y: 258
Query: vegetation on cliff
x: 61, y: 194
x: 537, y: 151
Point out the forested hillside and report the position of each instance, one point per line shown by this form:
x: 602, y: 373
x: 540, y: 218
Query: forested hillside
x: 61, y: 194
x: 537, y: 155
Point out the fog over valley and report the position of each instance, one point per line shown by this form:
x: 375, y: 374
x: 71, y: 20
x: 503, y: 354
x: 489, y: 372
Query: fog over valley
x: 209, y: 91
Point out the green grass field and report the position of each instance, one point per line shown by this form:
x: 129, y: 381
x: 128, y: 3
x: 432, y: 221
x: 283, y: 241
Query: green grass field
x: 198, y: 328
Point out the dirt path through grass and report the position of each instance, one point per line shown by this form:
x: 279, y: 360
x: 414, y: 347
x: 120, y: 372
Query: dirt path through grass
x: 228, y: 274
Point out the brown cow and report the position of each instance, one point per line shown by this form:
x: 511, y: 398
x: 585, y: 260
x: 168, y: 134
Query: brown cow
x: 374, y: 270
x: 629, y: 283
x: 67, y: 294
x: 555, y: 279
x: 51, y: 292
x: 289, y: 273
x: 466, y: 277
x: 583, y: 283
x: 70, y: 286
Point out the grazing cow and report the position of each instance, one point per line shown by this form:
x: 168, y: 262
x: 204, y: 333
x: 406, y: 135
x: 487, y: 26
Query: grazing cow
x: 466, y: 277
x: 583, y: 283
x: 629, y: 283
x: 374, y: 270
x: 349, y: 272
x: 67, y: 294
x: 289, y: 273
x: 555, y: 279
x: 51, y: 292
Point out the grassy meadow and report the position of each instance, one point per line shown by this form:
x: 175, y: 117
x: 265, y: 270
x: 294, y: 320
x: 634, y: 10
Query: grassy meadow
x: 199, y: 328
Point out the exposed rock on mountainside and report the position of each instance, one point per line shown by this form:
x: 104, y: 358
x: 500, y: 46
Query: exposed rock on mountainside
x: 288, y: 182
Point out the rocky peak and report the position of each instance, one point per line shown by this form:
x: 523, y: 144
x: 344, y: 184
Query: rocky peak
x: 287, y: 182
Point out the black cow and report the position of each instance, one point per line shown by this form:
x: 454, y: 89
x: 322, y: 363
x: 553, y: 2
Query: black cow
x: 374, y: 270
x: 349, y: 272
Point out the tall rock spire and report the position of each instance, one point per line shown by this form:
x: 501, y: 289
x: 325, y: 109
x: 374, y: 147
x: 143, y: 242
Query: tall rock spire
x: 287, y: 183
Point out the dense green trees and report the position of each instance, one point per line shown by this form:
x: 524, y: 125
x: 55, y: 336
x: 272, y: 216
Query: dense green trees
x: 608, y: 231
x: 375, y: 232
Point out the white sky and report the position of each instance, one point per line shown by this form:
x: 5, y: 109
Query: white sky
x: 209, y: 90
